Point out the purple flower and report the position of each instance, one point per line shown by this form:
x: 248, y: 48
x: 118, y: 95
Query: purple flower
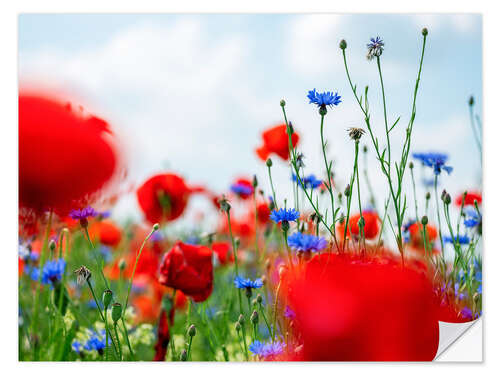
x: 375, y: 48
x: 82, y: 215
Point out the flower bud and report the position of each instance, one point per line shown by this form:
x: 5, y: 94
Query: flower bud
x: 122, y: 264
x: 410, y: 165
x: 184, y: 355
x: 52, y: 245
x: 365, y: 149
x: 237, y: 242
x: 323, y: 111
x: 107, y: 298
x: 192, y: 330
x: 447, y: 199
x: 254, y: 181
x: 259, y: 298
x: 156, y: 227
x: 428, y: 196
x: 116, y: 312
x: 443, y: 194
x: 254, y: 318
x: 224, y: 204
x: 343, y: 44
x: 237, y: 327
x: 269, y: 162
x: 347, y: 190
x: 425, y: 220
x: 425, y: 31
x: 471, y: 101
x: 241, y: 319
x: 282, y: 102
x: 285, y: 225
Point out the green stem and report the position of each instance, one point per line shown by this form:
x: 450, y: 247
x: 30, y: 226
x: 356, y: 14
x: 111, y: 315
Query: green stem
x: 235, y: 254
x: 356, y: 169
x: 118, y: 341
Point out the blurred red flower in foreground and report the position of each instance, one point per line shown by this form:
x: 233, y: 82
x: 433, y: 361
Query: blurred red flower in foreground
x: 263, y: 213
x: 469, y: 199
x: 188, y: 268
x: 65, y: 156
x: 350, y: 308
x: 243, y: 188
x: 163, y: 197
x: 371, y: 225
x: 275, y: 140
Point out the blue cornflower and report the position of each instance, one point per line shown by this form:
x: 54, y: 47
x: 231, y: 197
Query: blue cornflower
x: 462, y: 240
x: 375, y: 48
x: 289, y: 313
x: 106, y: 253
x: 310, y: 182
x: 472, y: 218
x: 76, y: 346
x: 323, y: 99
x: 82, y: 214
x: 434, y: 160
x: 53, y: 271
x: 266, y: 350
x: 97, y: 341
x: 242, y: 283
x: 241, y: 189
x: 306, y: 242
x: 283, y: 214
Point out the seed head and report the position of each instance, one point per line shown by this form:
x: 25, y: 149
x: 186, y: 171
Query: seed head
x: 355, y: 133
x: 82, y: 275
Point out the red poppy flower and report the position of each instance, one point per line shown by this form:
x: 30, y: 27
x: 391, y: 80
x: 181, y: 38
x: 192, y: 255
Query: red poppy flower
x: 223, y: 251
x: 107, y: 232
x: 469, y: 199
x: 416, y: 234
x: 350, y: 308
x: 188, y: 268
x: 371, y: 225
x: 65, y: 156
x: 163, y: 197
x: 275, y: 140
x: 263, y: 213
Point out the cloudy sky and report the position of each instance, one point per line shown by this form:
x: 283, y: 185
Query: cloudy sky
x: 191, y: 93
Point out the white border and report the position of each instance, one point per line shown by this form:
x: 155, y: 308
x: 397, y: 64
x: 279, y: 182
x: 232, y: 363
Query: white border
x: 8, y: 203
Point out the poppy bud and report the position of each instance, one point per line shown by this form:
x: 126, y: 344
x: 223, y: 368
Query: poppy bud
x: 259, y: 298
x: 269, y: 162
x: 347, y: 190
x: 241, y: 319
x: 447, y: 199
x: 443, y: 194
x: 122, y: 264
x: 282, y: 102
x: 365, y: 149
x: 184, y: 355
x: 192, y: 330
x: 428, y: 196
x: 425, y: 220
x: 471, y: 101
x: 107, y: 297
x: 290, y: 127
x: 156, y: 227
x: 254, y: 318
x: 425, y: 31
x: 343, y: 44
x: 116, y: 312
x: 52, y: 245
x: 254, y: 181
x: 410, y: 165
x: 237, y: 242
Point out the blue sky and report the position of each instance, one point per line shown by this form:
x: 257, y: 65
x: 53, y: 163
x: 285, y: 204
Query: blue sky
x: 193, y: 92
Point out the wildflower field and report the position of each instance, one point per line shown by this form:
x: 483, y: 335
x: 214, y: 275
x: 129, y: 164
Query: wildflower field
x: 339, y: 272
